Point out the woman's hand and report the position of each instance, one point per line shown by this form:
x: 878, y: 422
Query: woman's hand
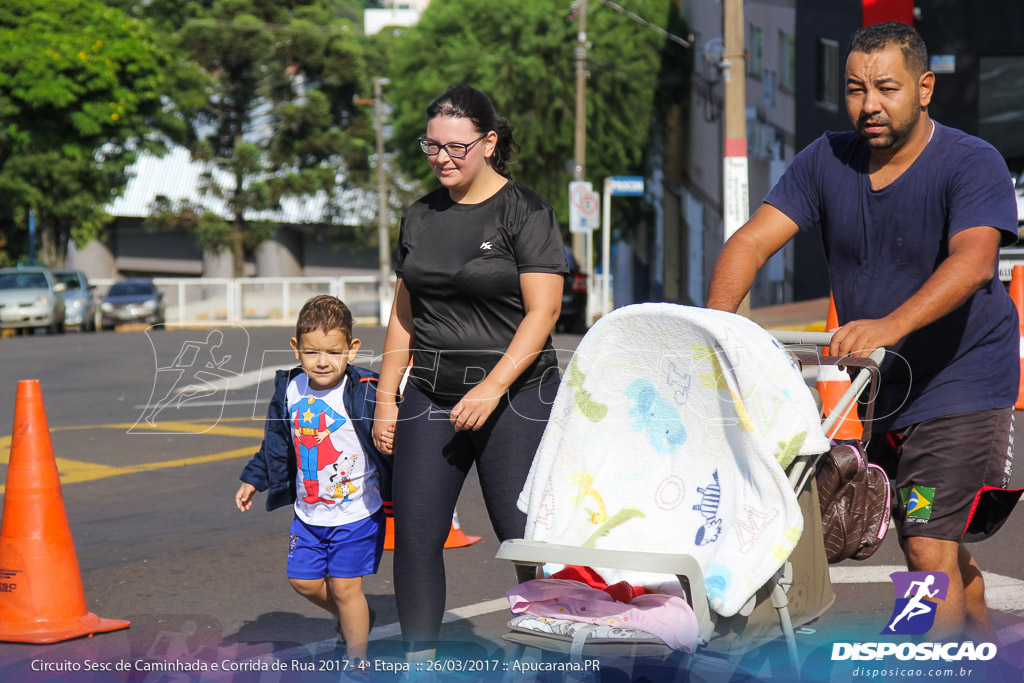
x: 476, y: 406
x: 385, y: 417
x: 243, y: 497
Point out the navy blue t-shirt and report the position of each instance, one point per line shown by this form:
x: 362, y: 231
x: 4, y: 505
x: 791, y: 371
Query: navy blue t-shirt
x: 883, y: 245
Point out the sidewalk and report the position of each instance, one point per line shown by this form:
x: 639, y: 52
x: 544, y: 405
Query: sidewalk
x: 806, y: 316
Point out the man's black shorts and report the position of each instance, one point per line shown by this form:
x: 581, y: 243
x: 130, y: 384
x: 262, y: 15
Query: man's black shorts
x: 950, y: 474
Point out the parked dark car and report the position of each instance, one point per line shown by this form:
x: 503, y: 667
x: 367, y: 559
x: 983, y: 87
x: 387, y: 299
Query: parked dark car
x: 574, y: 298
x: 30, y: 298
x: 132, y: 301
x: 80, y: 305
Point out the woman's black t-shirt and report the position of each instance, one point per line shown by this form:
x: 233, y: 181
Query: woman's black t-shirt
x: 461, y: 265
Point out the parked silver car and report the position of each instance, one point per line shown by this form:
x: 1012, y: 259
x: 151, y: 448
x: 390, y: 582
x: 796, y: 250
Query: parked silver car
x: 29, y: 298
x: 80, y: 305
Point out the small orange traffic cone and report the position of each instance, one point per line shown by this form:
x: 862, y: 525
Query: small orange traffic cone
x: 41, y: 594
x: 833, y: 383
x: 389, y: 531
x: 457, y: 538
x: 1017, y: 294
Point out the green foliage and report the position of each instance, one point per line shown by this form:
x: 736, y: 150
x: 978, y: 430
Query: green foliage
x: 81, y: 91
x: 522, y: 55
x: 278, y: 115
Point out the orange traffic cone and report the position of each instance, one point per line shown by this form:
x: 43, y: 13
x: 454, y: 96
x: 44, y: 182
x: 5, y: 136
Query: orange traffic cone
x: 833, y: 383
x: 41, y: 585
x: 457, y: 538
x: 1017, y: 294
x: 389, y: 531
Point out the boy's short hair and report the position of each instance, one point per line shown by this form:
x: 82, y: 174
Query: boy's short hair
x: 325, y: 313
x: 888, y: 34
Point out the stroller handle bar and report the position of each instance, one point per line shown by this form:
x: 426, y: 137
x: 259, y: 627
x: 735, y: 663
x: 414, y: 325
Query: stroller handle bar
x: 796, y: 338
x: 839, y: 411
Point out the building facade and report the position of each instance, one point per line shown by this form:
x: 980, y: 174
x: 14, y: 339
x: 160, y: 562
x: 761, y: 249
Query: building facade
x: 693, y: 224
x: 796, y: 53
x: 302, y: 246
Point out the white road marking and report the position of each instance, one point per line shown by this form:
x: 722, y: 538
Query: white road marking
x: 242, y: 381
x: 1002, y: 593
x: 394, y: 630
x: 876, y: 574
x: 201, y: 404
x: 457, y: 614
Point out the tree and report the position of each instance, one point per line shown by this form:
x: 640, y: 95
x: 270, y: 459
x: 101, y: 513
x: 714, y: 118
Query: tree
x: 521, y: 55
x: 81, y: 93
x: 278, y: 117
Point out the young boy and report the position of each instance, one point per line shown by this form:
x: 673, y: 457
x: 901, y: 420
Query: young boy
x: 318, y: 441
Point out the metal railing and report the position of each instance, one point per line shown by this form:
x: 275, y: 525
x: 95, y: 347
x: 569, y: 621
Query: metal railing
x: 275, y: 301
x: 257, y: 301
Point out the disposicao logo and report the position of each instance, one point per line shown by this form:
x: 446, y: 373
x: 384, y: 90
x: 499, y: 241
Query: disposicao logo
x: 913, y: 614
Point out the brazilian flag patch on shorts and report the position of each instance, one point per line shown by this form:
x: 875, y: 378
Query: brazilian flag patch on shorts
x: 918, y: 500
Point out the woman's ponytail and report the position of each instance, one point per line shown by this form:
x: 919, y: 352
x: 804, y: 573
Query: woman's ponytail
x: 501, y: 159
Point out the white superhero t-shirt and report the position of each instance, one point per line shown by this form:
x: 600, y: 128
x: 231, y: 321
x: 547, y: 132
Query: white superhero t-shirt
x: 336, y: 484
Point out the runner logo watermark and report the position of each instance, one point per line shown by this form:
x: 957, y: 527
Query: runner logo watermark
x: 914, y: 613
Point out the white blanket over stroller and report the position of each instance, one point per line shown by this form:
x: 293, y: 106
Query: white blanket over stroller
x: 670, y: 432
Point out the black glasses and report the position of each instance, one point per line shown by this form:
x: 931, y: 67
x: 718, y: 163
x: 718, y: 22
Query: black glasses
x: 456, y: 150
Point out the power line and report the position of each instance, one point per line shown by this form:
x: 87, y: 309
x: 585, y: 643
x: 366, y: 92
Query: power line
x: 644, y: 22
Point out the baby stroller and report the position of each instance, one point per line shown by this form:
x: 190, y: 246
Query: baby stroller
x: 678, y: 456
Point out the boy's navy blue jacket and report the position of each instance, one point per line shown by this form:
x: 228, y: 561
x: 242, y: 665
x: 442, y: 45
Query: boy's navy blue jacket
x: 275, y: 464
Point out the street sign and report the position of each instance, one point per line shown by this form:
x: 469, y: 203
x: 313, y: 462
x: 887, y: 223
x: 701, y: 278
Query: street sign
x: 627, y: 186
x: 584, y: 207
x: 942, y: 64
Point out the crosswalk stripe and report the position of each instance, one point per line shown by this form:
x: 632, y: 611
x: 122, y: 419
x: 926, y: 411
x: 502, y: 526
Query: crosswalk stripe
x: 1002, y: 593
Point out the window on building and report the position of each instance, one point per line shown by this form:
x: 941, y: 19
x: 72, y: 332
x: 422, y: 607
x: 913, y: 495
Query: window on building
x: 755, y: 63
x: 787, y: 61
x: 828, y: 73
x: 1001, y: 106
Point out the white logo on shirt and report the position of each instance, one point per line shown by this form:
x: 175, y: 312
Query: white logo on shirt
x: 486, y: 245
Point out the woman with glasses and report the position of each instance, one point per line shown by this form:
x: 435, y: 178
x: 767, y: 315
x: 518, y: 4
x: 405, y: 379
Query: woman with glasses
x: 480, y: 274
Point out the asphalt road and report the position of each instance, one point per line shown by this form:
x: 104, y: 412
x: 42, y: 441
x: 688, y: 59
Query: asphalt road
x: 159, y: 542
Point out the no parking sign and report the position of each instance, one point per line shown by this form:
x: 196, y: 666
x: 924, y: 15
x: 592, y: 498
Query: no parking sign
x: 584, y: 207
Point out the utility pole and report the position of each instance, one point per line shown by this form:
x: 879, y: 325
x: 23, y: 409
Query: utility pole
x: 383, y: 236
x: 384, y: 292
x: 735, y: 202
x: 580, y: 148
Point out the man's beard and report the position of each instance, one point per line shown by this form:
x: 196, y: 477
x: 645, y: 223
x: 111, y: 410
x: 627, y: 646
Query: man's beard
x: 896, y: 136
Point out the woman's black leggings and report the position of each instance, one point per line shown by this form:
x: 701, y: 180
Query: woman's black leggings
x: 431, y: 464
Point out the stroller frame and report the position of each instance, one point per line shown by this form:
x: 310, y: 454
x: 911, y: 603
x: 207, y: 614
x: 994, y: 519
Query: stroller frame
x: 534, y: 554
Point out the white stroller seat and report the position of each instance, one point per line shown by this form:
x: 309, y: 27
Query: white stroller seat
x: 669, y: 437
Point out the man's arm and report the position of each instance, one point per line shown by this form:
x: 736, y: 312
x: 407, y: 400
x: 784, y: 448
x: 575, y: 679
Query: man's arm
x: 767, y: 231
x: 971, y: 264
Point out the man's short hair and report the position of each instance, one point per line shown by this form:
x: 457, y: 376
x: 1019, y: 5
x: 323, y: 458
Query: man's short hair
x: 325, y: 313
x: 877, y: 37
